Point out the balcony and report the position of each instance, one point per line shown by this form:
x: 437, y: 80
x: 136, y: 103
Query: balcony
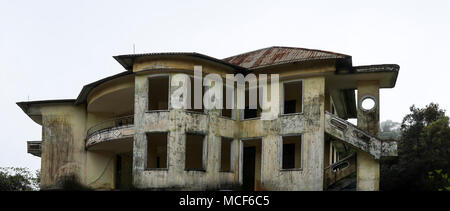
x: 119, y: 129
x: 34, y: 148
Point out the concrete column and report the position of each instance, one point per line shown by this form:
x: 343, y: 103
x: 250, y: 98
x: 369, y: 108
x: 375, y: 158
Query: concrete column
x: 140, y: 139
x: 313, y: 139
x: 63, y: 156
x: 368, y: 169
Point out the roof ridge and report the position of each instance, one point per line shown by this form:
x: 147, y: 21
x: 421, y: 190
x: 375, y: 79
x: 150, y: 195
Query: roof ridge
x: 287, y: 47
x: 311, y: 49
x: 156, y: 53
x: 248, y: 52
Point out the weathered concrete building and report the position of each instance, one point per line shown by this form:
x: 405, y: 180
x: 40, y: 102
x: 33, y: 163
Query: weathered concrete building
x: 122, y: 131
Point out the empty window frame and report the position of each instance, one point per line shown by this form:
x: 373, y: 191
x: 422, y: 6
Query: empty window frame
x: 292, y: 97
x: 291, y: 152
x: 201, y: 110
x: 332, y: 107
x: 158, y: 93
x: 251, y: 113
x: 195, y: 151
x: 157, y: 150
x: 334, y: 154
x: 225, y: 111
x: 226, y: 160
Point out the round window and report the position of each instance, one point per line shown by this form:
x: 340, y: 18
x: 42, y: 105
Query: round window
x: 368, y: 103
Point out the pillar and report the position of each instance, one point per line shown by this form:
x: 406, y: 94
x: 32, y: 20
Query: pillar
x: 368, y: 168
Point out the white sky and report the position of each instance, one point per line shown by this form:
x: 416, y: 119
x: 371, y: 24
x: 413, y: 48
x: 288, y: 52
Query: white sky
x: 50, y: 49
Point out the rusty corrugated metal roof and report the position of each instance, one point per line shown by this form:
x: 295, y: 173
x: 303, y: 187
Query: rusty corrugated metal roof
x: 281, y: 55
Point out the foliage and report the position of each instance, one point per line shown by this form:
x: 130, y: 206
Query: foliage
x: 438, y: 180
x: 18, y: 179
x: 390, y: 130
x: 424, y: 146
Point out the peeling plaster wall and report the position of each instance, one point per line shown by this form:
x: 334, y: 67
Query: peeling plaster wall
x: 310, y: 125
x: 63, y: 149
x: 63, y: 153
x: 177, y: 123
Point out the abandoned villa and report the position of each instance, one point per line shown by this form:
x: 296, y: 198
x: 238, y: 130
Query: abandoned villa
x: 123, y: 132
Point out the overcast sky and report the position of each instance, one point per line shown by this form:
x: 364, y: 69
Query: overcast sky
x: 50, y: 49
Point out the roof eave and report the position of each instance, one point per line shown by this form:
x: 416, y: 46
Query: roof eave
x: 127, y: 60
x: 27, y: 106
x: 380, y: 68
x: 24, y: 105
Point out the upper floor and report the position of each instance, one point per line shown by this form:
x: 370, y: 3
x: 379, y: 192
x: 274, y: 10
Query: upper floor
x: 114, y: 96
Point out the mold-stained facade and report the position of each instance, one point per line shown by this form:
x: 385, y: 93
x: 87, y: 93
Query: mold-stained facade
x: 124, y: 132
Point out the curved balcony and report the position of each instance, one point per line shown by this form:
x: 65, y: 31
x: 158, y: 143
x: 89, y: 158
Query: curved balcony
x: 121, y: 128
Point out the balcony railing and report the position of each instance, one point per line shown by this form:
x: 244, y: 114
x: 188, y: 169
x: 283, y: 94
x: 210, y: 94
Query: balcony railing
x: 109, y: 124
x: 339, y: 170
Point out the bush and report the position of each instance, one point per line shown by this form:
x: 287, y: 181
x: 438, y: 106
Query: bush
x: 18, y: 179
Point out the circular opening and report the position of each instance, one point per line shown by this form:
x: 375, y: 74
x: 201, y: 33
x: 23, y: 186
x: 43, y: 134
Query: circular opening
x: 368, y: 103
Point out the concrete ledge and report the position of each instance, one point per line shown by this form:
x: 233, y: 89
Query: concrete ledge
x: 350, y: 134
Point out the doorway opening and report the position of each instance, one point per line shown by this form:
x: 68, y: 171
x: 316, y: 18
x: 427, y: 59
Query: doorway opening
x: 124, y: 168
x: 251, y: 164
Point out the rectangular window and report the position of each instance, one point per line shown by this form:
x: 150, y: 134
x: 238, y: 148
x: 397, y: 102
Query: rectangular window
x: 332, y: 108
x: 333, y: 154
x: 225, y: 154
x: 291, y: 152
x: 292, y: 97
x: 195, y: 150
x: 201, y: 110
x: 156, y: 150
x: 158, y: 93
x: 226, y: 112
x: 251, y: 113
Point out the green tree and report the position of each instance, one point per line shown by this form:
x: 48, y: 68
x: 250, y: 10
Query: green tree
x: 390, y: 130
x: 18, y: 179
x: 437, y: 180
x: 424, y: 146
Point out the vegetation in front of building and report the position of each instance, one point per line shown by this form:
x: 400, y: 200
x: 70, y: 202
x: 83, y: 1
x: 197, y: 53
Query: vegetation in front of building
x: 18, y: 179
x: 423, y: 157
